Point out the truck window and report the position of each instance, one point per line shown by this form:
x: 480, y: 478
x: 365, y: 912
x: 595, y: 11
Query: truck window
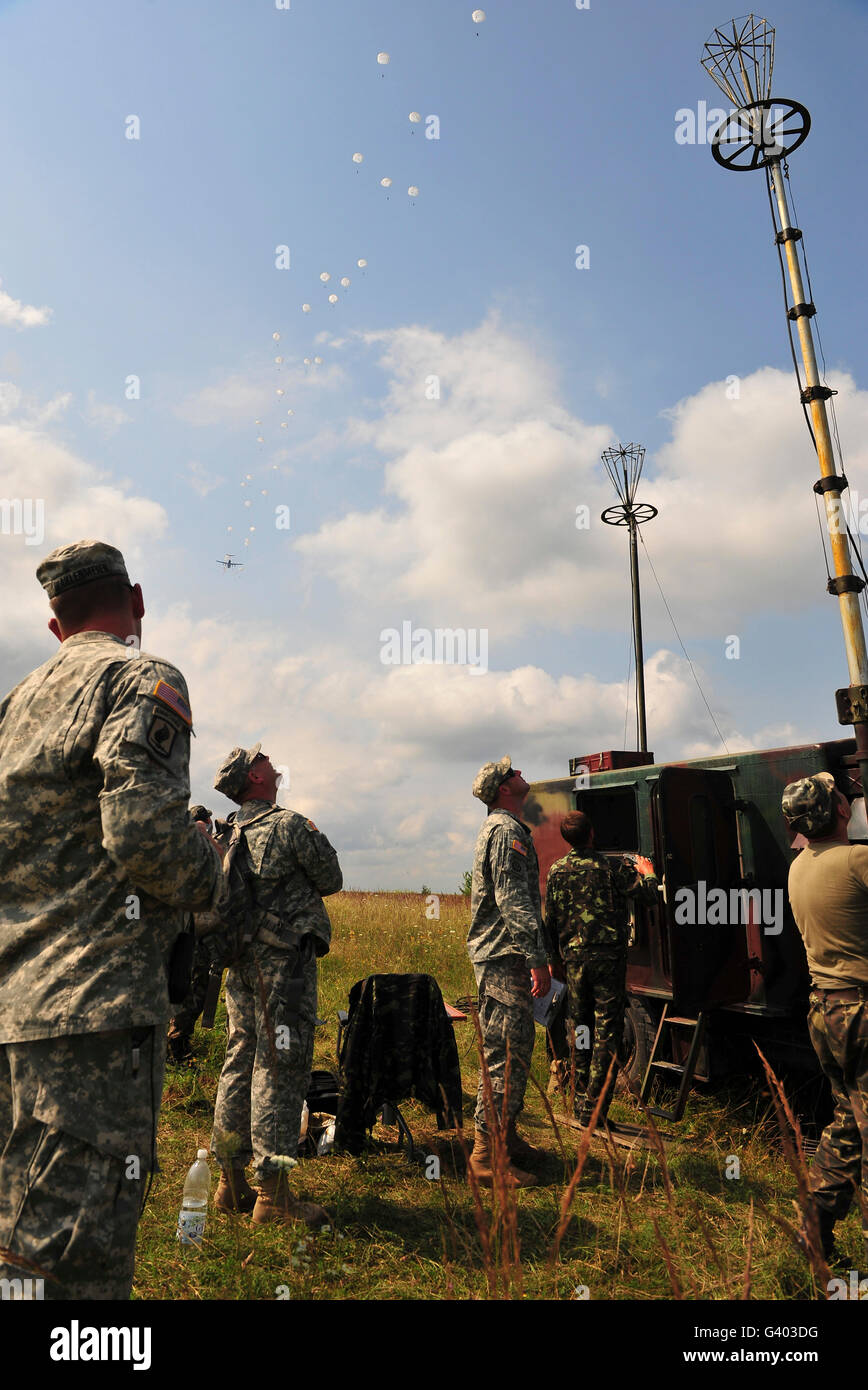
x: 614, y: 816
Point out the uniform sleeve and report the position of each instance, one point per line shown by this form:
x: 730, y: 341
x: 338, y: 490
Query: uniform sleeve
x: 509, y: 875
x: 143, y: 753
x: 552, y: 924
x: 315, y: 855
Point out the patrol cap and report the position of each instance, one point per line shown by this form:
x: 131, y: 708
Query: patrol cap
x: 488, y: 779
x: 807, y: 804
x: 232, y: 774
x: 80, y: 563
x: 200, y: 812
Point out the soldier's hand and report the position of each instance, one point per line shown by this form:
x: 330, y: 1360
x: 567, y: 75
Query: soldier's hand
x: 208, y: 836
x: 644, y: 865
x: 541, y: 981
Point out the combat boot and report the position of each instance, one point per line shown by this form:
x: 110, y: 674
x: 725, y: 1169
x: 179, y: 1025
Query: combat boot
x: 520, y: 1151
x: 826, y: 1223
x: 479, y: 1164
x: 234, y: 1193
x: 276, y: 1203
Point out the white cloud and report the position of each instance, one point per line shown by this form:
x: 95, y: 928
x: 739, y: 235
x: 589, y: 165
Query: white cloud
x: 240, y: 398
x: 107, y: 418
x: 15, y: 314
x: 481, y: 487
x: 201, y: 480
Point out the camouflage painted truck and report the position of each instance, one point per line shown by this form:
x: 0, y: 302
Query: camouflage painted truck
x: 716, y: 965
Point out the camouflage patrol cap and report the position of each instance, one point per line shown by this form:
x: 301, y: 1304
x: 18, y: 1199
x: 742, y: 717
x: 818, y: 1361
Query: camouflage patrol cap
x: 200, y: 812
x: 807, y: 804
x: 488, y: 779
x: 232, y: 774
x: 80, y: 563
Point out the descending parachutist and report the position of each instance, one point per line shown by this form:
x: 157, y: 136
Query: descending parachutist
x: 415, y: 118
x: 318, y: 361
x: 325, y: 276
x: 305, y: 308
x: 345, y: 282
x: 361, y: 264
x: 276, y: 337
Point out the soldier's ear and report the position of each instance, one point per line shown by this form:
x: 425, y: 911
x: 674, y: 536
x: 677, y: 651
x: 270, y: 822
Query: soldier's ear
x: 54, y: 626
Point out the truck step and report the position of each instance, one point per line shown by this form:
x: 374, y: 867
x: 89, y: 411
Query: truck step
x: 677, y: 1069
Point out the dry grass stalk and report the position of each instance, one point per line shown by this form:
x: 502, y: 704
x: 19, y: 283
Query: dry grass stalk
x: 668, y: 1260
x: 748, y: 1268
x: 791, y: 1140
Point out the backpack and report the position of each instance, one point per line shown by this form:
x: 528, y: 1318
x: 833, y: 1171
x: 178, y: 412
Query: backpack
x: 229, y: 927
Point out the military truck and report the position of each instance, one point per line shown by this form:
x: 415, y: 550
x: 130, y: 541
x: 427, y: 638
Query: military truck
x: 717, y: 964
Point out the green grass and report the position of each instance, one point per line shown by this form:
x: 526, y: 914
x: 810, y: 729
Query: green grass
x: 634, y: 1232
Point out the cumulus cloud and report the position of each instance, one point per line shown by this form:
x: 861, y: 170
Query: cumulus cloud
x: 15, y: 314
x: 239, y: 398
x: 106, y: 417
x: 492, y: 494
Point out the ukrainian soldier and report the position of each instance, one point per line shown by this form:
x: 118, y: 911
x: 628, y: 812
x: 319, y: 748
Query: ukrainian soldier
x: 587, y: 924
x: 183, y: 1022
x: 509, y: 959
x: 828, y: 888
x: 271, y: 994
x: 98, y: 863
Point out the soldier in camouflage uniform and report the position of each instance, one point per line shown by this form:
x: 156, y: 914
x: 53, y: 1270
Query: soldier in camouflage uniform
x: 98, y: 862
x: 586, y: 922
x: 828, y: 889
x: 182, y: 1025
x: 271, y: 994
x: 505, y: 945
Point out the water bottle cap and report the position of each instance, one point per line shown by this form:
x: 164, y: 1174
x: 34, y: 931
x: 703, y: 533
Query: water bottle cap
x: 202, y: 1153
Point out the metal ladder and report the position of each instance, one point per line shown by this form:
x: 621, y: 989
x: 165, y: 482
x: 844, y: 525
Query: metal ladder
x: 687, y: 1072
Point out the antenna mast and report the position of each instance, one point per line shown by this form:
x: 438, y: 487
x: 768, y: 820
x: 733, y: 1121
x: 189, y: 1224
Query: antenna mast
x: 624, y: 467
x: 760, y: 134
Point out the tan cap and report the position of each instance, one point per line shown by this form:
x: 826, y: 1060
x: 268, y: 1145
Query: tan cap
x: 487, y: 781
x: 232, y: 773
x: 80, y: 563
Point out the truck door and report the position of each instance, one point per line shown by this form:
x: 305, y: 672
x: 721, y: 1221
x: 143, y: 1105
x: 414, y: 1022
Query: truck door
x: 696, y: 826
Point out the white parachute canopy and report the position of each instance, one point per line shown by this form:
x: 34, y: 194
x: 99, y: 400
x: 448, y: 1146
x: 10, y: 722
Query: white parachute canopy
x: 333, y: 299
x: 305, y: 308
x: 276, y: 337
x: 413, y: 191
x: 478, y: 16
x: 345, y: 280
x: 385, y: 183
x: 382, y: 59
x: 325, y: 276
x: 358, y: 158
x: 361, y: 264
x: 415, y: 117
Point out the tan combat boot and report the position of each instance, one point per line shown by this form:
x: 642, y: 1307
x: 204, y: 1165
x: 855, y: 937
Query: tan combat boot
x: 276, y: 1203
x: 234, y: 1193
x: 520, y: 1151
x: 479, y: 1164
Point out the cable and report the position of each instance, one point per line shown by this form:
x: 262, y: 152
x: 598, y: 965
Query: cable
x: 683, y: 648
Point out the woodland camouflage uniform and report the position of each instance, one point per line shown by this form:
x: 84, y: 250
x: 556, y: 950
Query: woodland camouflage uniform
x: 271, y: 995
x: 586, y: 922
x: 98, y: 861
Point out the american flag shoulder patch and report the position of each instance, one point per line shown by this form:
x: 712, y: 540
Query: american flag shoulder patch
x: 174, y: 699
x: 517, y: 845
x: 310, y: 825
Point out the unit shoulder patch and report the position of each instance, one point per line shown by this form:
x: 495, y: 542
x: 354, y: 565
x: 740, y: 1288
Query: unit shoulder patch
x: 519, y: 847
x: 310, y: 825
x: 161, y: 734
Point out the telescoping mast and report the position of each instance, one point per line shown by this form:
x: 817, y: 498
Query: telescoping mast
x: 760, y: 134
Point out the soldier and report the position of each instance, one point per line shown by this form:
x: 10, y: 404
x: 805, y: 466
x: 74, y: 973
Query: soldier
x: 509, y: 960
x: 586, y: 922
x: 182, y: 1025
x: 271, y: 994
x: 98, y: 861
x: 828, y: 888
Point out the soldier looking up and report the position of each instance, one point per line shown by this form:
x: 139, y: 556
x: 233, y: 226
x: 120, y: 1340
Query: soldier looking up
x: 506, y: 949
x: 586, y: 921
x: 828, y: 888
x: 271, y: 994
x: 98, y: 862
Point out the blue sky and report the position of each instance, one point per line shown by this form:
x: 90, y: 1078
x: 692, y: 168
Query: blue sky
x: 156, y: 258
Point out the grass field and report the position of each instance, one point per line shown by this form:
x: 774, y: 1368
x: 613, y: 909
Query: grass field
x: 640, y: 1226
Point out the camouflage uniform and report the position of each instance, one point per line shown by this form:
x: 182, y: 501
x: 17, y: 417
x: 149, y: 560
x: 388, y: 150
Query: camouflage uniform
x: 586, y: 920
x: 98, y: 861
x: 828, y: 886
x: 271, y: 1030
x: 184, y: 1021
x: 504, y: 943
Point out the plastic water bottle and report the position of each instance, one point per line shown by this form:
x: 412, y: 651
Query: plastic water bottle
x: 197, y: 1188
